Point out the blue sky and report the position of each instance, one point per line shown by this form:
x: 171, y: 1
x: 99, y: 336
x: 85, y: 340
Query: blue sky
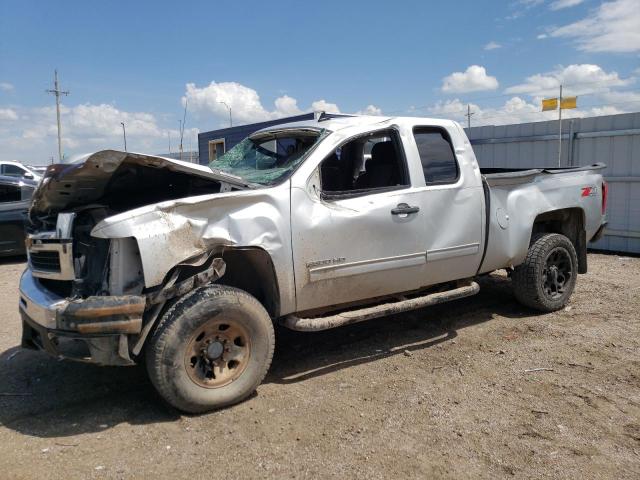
x: 137, y: 61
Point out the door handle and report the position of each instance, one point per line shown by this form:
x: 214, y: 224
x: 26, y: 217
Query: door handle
x: 404, y: 209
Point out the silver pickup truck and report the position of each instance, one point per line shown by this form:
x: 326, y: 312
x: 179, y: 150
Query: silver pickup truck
x: 311, y: 225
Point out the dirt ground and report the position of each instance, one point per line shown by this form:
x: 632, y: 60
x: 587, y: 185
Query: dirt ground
x: 437, y: 393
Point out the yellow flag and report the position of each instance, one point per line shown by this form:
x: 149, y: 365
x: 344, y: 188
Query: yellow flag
x: 549, y: 104
x: 569, y: 102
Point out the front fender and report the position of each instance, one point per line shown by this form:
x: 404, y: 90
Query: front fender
x: 170, y: 232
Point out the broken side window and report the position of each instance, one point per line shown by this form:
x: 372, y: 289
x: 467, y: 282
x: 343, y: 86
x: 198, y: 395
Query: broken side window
x: 363, y: 164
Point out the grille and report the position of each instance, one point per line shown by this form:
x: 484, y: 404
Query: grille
x: 45, y: 261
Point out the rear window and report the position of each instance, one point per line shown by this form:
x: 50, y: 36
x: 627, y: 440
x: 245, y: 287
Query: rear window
x: 439, y: 163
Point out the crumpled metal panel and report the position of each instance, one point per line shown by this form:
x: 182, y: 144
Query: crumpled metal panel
x: 173, y: 231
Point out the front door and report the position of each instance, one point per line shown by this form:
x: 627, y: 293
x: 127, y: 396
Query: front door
x: 358, y: 229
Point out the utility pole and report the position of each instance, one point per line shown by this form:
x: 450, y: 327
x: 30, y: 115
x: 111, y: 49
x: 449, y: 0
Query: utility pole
x: 124, y: 134
x: 560, y: 127
x: 169, y: 134
x: 184, y: 120
x: 468, y: 115
x: 57, y: 92
x: 230, y: 120
x: 180, y: 145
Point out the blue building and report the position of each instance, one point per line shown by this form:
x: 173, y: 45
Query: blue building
x: 213, y: 144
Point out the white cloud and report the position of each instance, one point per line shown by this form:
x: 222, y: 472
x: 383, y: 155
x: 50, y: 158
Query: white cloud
x: 599, y: 93
x: 370, y: 110
x: 288, y: 106
x: 6, y: 87
x: 542, y: 36
x: 244, y: 102
x: 473, y: 79
x: 246, y: 105
x: 560, y: 4
x: 324, y: 106
x: 29, y: 134
x: 492, y: 46
x: 514, y: 110
x: 453, y: 109
x: 7, y: 114
x: 85, y: 128
x: 577, y: 79
x: 521, y: 7
x: 612, y: 27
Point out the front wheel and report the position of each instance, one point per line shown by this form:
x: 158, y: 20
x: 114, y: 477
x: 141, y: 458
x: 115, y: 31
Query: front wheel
x: 547, y: 277
x: 211, y: 349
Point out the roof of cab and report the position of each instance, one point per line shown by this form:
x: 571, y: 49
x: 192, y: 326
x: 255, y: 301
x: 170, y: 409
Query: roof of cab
x: 335, y: 123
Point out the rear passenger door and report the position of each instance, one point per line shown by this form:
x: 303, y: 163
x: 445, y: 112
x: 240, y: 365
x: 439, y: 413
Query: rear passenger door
x: 453, y: 204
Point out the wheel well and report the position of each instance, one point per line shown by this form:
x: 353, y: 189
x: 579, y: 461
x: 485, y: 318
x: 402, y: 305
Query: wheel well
x: 251, y: 269
x: 570, y: 223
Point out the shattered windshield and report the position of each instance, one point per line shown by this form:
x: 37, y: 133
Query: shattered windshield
x: 269, y: 157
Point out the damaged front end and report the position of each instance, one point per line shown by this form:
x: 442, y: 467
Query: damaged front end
x: 85, y: 297
x: 103, y: 329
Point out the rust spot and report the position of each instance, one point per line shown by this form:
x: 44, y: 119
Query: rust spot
x: 129, y: 325
x: 96, y: 307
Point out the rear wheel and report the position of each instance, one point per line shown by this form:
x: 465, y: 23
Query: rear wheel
x: 547, y: 277
x: 211, y: 349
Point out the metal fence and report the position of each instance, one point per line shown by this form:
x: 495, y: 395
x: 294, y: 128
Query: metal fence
x: 612, y: 139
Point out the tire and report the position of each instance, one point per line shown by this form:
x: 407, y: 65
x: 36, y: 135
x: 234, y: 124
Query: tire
x: 534, y: 282
x: 211, y: 349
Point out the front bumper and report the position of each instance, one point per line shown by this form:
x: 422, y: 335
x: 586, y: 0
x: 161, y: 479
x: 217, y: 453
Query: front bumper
x: 60, y: 326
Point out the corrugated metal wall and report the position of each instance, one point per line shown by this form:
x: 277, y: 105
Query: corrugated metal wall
x: 612, y: 139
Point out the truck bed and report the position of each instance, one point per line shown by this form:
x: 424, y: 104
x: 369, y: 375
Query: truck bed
x: 503, y: 176
x: 516, y: 197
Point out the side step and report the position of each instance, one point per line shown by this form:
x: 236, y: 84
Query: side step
x: 316, y: 324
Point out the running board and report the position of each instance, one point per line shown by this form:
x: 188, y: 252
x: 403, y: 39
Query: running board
x: 316, y: 324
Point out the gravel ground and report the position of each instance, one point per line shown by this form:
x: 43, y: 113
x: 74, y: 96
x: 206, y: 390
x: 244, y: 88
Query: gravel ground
x: 443, y: 392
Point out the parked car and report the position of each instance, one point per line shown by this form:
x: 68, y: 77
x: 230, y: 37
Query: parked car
x: 16, y: 169
x: 15, y: 197
x: 314, y: 225
x: 37, y: 169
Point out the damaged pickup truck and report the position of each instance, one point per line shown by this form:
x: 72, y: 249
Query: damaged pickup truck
x: 312, y: 225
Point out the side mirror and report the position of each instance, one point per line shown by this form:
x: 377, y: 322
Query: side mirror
x: 29, y: 176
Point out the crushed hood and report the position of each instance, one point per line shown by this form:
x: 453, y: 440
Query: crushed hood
x: 66, y: 186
